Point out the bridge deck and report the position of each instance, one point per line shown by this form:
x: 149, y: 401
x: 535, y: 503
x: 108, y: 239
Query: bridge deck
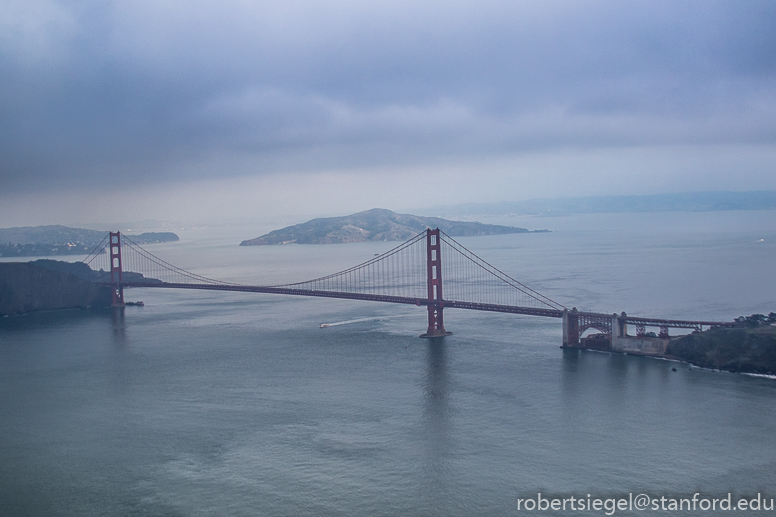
x: 448, y: 304
x: 655, y: 322
x: 409, y: 274
x: 280, y: 290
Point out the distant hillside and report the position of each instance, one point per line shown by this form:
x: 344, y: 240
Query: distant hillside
x: 373, y: 225
x: 41, y: 241
x: 154, y: 237
x: 52, y: 234
x: 680, y: 202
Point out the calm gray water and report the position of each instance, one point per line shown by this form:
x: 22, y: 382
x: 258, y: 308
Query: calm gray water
x: 239, y: 404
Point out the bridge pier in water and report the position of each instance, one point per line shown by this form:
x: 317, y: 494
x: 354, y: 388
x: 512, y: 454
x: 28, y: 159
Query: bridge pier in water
x: 614, y: 332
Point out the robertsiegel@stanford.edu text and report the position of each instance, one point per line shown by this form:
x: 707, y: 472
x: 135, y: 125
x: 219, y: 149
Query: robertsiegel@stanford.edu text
x: 644, y: 502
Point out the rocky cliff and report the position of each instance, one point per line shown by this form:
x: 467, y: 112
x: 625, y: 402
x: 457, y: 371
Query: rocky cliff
x: 751, y: 350
x: 27, y: 287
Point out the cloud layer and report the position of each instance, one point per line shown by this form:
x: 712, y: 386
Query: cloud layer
x: 105, y: 93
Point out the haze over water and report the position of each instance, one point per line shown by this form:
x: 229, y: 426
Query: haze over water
x: 207, y: 403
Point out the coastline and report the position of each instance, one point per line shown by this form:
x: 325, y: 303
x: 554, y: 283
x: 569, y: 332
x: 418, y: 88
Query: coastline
x: 748, y: 350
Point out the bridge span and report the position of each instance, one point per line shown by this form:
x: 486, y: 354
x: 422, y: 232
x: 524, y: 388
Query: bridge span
x: 411, y: 274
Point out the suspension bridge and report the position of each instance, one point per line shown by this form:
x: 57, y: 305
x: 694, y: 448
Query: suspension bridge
x: 410, y: 273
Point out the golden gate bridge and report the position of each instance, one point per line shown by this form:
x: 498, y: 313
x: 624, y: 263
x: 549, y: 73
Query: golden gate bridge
x: 410, y: 273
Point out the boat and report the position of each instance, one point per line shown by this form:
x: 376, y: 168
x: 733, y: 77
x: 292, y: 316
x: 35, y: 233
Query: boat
x: 324, y: 325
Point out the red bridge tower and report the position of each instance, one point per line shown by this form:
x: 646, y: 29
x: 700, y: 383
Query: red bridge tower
x: 117, y: 290
x: 435, y: 302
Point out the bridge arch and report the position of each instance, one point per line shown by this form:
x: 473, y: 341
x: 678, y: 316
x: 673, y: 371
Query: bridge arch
x: 596, y: 325
x: 575, y: 323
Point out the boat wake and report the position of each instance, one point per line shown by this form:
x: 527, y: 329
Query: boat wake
x: 359, y: 320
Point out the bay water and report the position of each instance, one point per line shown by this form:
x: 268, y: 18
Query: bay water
x: 208, y: 403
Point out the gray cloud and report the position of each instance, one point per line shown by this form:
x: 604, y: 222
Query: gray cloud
x: 132, y: 91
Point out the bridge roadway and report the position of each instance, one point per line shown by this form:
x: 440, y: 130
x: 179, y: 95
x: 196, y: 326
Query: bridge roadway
x: 447, y: 304
x: 550, y: 313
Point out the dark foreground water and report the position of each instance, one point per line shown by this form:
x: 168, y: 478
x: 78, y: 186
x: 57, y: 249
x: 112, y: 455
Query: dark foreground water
x: 238, y: 404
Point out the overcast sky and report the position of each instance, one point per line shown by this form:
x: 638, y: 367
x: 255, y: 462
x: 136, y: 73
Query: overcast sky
x: 123, y: 110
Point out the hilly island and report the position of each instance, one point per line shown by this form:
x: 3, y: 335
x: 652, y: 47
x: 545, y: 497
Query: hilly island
x: 375, y: 225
